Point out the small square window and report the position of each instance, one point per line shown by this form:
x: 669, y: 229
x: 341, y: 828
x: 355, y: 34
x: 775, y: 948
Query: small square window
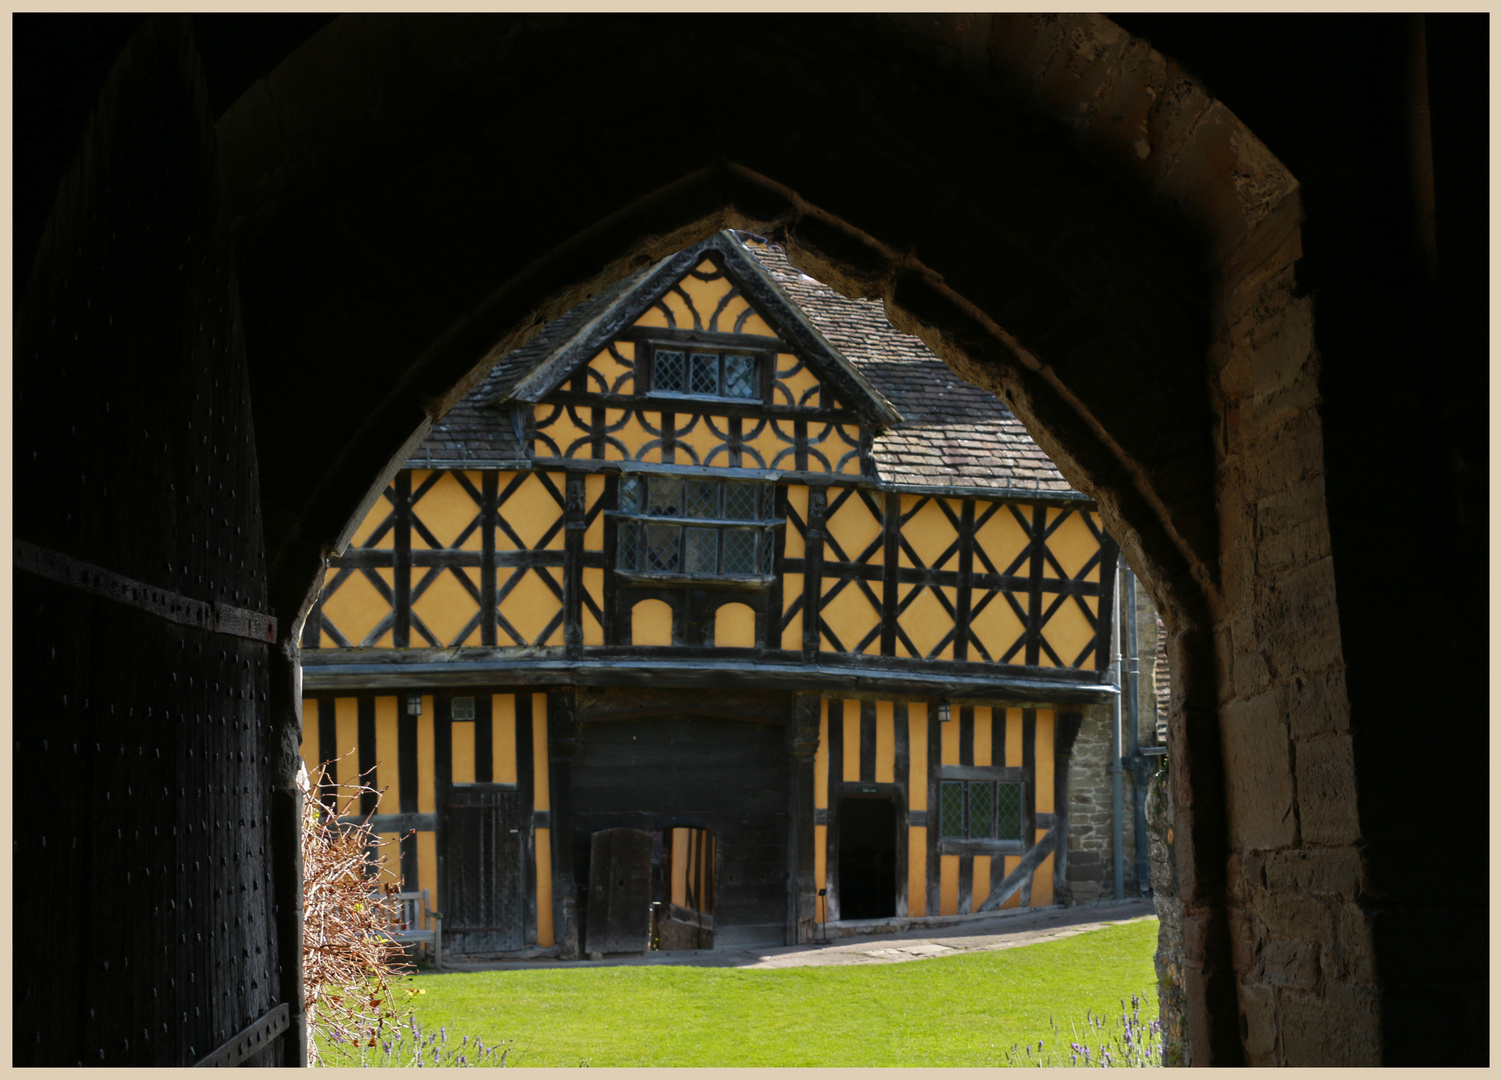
x: 703, y: 499
x: 740, y: 552
x: 704, y: 377
x: 740, y: 377
x: 740, y: 502
x: 462, y: 708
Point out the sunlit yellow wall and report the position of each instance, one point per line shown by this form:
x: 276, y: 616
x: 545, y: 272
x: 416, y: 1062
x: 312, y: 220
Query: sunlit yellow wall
x: 1070, y: 629
x: 503, y: 738
x: 1043, y: 757
x: 1011, y: 863
x: 980, y: 883
x: 949, y: 884
x: 462, y: 734
x: 356, y: 607
x: 388, y: 775
x: 981, y: 744
x: 886, y: 744
x: 544, y: 842
x: 679, y: 890
x: 446, y: 509
x: 734, y: 627
x: 309, y: 747
x: 851, y: 759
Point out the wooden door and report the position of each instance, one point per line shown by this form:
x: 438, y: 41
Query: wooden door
x: 620, y: 891
x: 485, y: 833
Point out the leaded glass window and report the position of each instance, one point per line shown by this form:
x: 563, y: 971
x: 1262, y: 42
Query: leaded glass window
x: 952, y: 809
x: 698, y: 373
x: 697, y: 527
x: 980, y: 810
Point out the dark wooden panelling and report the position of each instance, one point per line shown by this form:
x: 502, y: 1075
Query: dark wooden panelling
x: 482, y: 849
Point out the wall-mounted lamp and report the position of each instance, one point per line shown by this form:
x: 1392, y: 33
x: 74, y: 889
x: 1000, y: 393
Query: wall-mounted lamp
x: 941, y: 709
x: 414, y: 704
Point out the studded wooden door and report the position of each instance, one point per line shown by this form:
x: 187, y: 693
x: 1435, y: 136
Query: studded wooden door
x: 485, y: 831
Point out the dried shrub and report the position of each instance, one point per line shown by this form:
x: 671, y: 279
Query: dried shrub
x: 349, y: 963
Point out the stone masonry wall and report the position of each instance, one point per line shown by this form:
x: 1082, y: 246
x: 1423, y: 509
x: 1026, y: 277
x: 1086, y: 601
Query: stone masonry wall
x: 1090, y: 859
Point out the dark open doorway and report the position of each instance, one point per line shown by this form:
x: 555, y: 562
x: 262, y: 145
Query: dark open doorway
x: 868, y: 859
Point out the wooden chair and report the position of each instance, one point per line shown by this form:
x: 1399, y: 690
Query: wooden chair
x: 415, y: 922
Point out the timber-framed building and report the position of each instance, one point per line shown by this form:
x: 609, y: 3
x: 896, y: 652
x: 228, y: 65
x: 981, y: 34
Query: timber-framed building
x: 719, y: 593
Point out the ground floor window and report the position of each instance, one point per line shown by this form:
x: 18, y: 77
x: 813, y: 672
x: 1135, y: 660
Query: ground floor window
x: 980, y: 810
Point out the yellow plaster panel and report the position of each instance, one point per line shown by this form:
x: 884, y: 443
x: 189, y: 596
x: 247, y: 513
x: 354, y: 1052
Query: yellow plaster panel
x: 347, y: 746
x: 531, y: 605
x: 554, y: 422
x: 949, y: 884
x: 917, y: 758
x: 617, y: 421
x: 795, y: 386
x: 997, y: 627
x: 445, y: 607
x: 850, y: 617
x: 980, y: 886
x: 1043, y: 755
x: 821, y: 759
x: 462, y: 759
x: 949, y: 738
x: 770, y: 443
x: 821, y: 854
x: 653, y: 317
x: 855, y: 528
x: 755, y: 324
x: 610, y: 370
x: 356, y: 607
x: 1043, y: 879
x: 1002, y: 539
x: 678, y: 890
x: 540, y: 752
x: 926, y: 622
x: 651, y: 623
x: 928, y: 532
x: 797, y: 504
x: 309, y: 747
x: 1072, y: 544
x: 544, y: 843
x: 427, y: 866
x: 850, y: 720
x: 388, y: 858
x: 917, y: 870
x: 698, y: 436
x: 594, y: 491
x: 705, y: 296
x: 792, y: 634
x: 982, y: 741
x: 726, y: 324
x: 681, y: 314
x: 594, y: 588
x: 447, y: 510
x: 426, y: 758
x: 734, y: 627
x: 388, y: 775
x: 1011, y: 863
x: 531, y: 511
x: 503, y: 738
x: 1014, y: 739
x: 886, y: 744
x: 846, y: 442
x: 1068, y: 632
x: 378, y: 513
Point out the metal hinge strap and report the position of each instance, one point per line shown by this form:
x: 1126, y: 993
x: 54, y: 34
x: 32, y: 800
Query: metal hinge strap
x: 251, y: 1041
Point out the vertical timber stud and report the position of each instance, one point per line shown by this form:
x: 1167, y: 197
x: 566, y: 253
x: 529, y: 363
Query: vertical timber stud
x: 891, y: 530
x: 813, y: 572
x: 1029, y: 793
x: 803, y: 744
x: 573, y: 566
x: 489, y: 509
x: 563, y: 742
x: 931, y: 836
x: 401, y: 590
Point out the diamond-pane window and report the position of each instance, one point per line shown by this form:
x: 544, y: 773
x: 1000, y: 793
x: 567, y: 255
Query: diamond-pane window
x: 699, y: 550
x: 669, y: 372
x: 630, y: 498
x: 625, y: 546
x: 740, y: 377
x: 740, y: 502
x: 1009, y: 811
x: 666, y: 497
x: 704, y: 374
x: 662, y: 548
x: 980, y: 811
x: 740, y: 552
x: 703, y: 498
x: 768, y: 554
x: 952, y: 809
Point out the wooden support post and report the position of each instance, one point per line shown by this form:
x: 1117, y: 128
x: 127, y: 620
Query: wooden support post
x: 563, y: 742
x: 573, y: 566
x: 803, y: 744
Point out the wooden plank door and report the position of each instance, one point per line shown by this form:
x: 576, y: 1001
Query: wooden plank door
x: 620, y: 891
x: 484, y: 831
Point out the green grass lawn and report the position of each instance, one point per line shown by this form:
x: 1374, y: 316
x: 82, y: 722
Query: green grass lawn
x: 960, y: 1010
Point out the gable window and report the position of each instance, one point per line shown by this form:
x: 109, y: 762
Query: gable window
x: 672, y: 526
x: 980, y: 810
x: 700, y: 372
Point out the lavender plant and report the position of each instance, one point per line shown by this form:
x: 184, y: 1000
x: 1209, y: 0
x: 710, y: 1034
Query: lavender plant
x: 407, y: 1045
x: 1137, y: 1044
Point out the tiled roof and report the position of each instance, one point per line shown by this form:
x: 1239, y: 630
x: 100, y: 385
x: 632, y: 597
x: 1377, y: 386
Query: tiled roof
x: 952, y: 433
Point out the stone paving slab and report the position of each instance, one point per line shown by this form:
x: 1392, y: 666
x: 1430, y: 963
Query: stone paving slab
x: 1004, y: 930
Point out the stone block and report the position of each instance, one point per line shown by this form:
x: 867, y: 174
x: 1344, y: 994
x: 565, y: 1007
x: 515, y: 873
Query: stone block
x: 1333, y: 872
x: 1259, y: 777
x: 1295, y: 916
x: 1298, y: 622
x: 1326, y: 776
x: 1338, y: 1027
x: 1317, y: 704
x: 1289, y: 963
x: 1259, y: 1024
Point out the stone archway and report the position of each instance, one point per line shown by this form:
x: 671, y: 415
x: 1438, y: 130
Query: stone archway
x: 1063, y: 216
